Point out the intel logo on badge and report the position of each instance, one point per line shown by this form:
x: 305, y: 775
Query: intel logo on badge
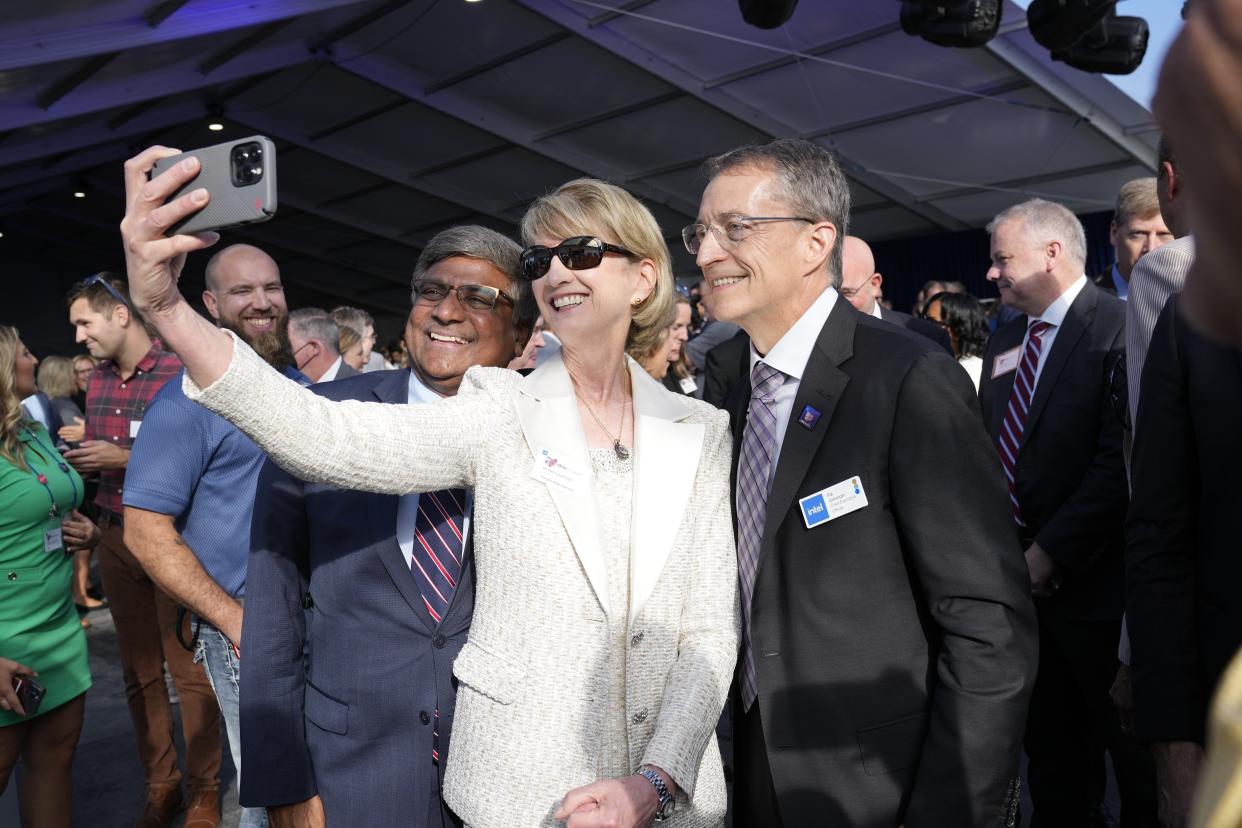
x: 814, y: 510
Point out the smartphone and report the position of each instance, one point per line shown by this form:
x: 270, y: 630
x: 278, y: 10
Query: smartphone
x: 29, y: 692
x: 241, y: 177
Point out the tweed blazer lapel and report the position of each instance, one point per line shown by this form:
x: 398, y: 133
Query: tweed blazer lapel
x: 548, y: 413
x: 666, y: 459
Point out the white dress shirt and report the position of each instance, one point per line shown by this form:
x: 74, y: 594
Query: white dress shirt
x: 331, y: 373
x: 407, y: 508
x: 877, y: 311
x: 790, y: 356
x: 1054, y: 315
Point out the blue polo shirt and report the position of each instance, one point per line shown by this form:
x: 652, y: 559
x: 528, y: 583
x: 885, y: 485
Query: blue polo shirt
x: 200, y: 469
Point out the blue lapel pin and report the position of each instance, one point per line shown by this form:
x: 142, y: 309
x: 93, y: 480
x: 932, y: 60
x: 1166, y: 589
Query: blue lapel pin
x: 809, y: 417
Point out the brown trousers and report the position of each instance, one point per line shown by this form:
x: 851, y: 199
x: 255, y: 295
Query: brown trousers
x: 145, y: 618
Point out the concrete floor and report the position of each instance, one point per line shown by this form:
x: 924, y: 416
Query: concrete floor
x: 108, y: 789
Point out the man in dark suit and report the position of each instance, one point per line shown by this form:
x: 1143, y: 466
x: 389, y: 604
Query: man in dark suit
x: 313, y: 337
x: 727, y: 364
x: 1182, y: 562
x: 861, y: 283
x: 1053, y: 397
x: 888, y: 635
x: 377, y: 590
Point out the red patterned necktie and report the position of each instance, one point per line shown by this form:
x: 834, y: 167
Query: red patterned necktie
x: 1010, y: 437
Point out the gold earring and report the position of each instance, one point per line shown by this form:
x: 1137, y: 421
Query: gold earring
x: 636, y: 303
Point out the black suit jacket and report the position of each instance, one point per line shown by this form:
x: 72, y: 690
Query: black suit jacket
x: 353, y: 722
x: 725, y: 365
x: 895, y: 645
x: 1183, y: 562
x: 1070, y: 477
x: 921, y: 327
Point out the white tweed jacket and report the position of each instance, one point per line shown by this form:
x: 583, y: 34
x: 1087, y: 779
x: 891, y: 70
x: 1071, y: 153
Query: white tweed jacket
x: 532, y: 675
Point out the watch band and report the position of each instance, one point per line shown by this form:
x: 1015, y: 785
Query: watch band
x: 665, y: 809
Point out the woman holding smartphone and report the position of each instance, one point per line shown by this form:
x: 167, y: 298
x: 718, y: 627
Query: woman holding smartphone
x: 41, y: 642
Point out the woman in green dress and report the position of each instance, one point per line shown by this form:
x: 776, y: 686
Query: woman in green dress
x: 39, y: 630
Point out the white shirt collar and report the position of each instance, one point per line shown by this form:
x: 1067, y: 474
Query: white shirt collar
x: 419, y: 393
x: 876, y: 311
x: 791, y: 353
x: 1054, y: 314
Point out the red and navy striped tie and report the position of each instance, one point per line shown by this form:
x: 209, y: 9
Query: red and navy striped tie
x: 1010, y: 437
x: 436, y: 559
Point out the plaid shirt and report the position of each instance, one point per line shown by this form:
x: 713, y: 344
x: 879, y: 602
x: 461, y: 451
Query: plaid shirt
x: 114, y: 407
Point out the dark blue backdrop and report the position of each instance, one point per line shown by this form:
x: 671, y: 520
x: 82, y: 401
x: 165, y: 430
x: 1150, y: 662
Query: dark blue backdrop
x: 963, y: 257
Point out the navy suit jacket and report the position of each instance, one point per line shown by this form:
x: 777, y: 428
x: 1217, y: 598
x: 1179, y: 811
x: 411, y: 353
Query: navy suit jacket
x: 343, y: 667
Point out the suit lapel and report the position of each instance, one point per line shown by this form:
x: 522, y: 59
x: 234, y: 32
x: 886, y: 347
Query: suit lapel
x: 666, y: 459
x: 1075, y: 324
x: 548, y: 414
x: 382, y: 511
x: 1001, y: 387
x: 821, y: 387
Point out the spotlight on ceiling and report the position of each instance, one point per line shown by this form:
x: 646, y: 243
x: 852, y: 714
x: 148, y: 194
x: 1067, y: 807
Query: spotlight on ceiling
x: 959, y: 23
x: 79, y: 194
x: 215, y: 126
x: 767, y: 14
x: 1088, y: 34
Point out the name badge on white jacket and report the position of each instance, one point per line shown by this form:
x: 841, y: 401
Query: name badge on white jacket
x: 551, y: 468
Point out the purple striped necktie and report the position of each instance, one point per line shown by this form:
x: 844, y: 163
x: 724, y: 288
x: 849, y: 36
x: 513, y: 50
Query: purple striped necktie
x: 436, y: 558
x: 1010, y: 437
x: 753, y: 468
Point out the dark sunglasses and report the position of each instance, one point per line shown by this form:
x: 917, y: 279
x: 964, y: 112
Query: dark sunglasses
x: 102, y: 281
x: 578, y: 253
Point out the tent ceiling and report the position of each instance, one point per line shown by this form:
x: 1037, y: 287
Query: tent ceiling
x: 396, y: 119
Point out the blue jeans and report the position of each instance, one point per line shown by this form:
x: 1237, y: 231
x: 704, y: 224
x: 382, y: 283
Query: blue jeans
x: 223, y: 670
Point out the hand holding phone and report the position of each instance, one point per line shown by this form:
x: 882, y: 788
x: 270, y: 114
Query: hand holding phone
x: 240, y: 178
x: 11, y: 675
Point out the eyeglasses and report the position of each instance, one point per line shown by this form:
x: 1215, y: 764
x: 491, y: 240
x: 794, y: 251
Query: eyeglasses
x: 736, y: 230
x: 100, y: 279
x: 471, y: 297
x: 578, y: 253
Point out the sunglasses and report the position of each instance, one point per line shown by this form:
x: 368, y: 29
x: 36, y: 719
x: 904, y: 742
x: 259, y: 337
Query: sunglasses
x: 101, y: 280
x: 578, y: 253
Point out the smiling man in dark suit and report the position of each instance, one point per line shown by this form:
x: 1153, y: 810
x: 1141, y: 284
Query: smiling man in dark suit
x: 888, y: 635
x: 1053, y: 398
x: 378, y: 589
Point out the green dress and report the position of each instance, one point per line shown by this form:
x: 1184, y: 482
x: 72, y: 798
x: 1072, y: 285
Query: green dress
x: 38, y: 623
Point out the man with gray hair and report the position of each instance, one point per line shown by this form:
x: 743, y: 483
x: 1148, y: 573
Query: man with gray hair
x: 1053, y: 397
x: 888, y: 635
x: 314, y: 338
x: 377, y: 589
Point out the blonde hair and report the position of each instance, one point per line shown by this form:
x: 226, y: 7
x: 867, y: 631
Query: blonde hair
x: 56, y: 378
x: 1136, y: 199
x: 347, y: 338
x: 656, y: 343
x: 11, y: 414
x: 590, y: 207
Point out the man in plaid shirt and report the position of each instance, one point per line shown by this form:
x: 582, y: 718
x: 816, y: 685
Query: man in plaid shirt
x: 132, y: 371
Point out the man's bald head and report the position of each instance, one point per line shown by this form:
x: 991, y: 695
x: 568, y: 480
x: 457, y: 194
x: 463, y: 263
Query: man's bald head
x: 860, y: 284
x: 236, y: 257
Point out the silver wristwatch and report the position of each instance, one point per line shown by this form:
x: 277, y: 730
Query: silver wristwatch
x: 665, y: 809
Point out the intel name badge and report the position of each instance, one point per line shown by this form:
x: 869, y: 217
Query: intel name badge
x: 833, y: 502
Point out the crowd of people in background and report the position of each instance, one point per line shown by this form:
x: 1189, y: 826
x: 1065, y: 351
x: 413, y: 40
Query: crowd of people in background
x: 521, y: 564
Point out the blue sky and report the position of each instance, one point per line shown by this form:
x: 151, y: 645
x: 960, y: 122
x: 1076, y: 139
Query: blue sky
x: 1164, y: 19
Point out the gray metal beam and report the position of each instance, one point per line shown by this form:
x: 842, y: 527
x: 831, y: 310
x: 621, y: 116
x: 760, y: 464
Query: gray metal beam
x: 1078, y: 104
x: 617, y: 112
x: 817, y: 51
x: 1003, y: 88
x: 160, y: 12
x: 1028, y: 181
x: 632, y: 5
x: 73, y: 80
x: 384, y: 109
x: 357, y: 24
x: 92, y: 31
x: 242, y: 46
x: 497, y: 62
x: 720, y: 100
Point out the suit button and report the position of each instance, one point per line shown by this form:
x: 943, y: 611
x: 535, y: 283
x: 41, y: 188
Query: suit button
x: 307, y: 601
x: 424, y: 717
x: 12, y: 576
x: 439, y: 641
x: 639, y: 717
x: 636, y: 639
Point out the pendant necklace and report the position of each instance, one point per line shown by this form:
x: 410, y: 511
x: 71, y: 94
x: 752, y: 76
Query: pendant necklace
x: 621, y: 451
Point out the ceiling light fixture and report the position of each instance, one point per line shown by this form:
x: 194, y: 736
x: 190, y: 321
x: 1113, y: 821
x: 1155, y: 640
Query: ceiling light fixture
x: 215, y: 126
x: 79, y: 194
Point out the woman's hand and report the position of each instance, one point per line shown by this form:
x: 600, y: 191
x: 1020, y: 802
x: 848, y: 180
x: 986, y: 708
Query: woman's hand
x: 628, y: 802
x: 8, y: 698
x: 75, y: 433
x: 152, y: 260
x: 79, y: 532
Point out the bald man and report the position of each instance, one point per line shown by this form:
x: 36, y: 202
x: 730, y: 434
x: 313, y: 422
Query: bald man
x: 861, y: 285
x: 189, y: 493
